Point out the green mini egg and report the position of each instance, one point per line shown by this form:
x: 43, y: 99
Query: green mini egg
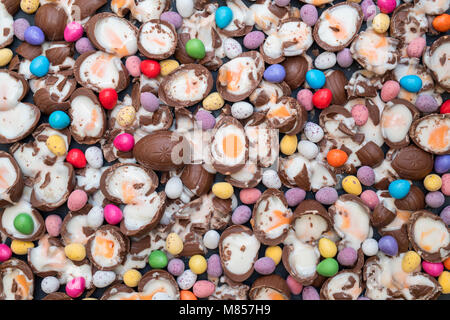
x: 327, y: 267
x: 157, y: 259
x: 195, y: 49
x: 24, y: 223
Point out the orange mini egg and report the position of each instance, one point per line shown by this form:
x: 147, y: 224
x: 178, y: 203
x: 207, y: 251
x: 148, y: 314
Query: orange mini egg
x: 336, y: 157
x: 442, y: 22
x: 187, y: 295
x: 447, y: 263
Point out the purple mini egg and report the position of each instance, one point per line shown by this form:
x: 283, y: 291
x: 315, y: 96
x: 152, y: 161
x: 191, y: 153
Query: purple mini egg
x: 426, y: 103
x: 205, y: 119
x: 83, y: 45
x: 310, y: 293
x: 176, y: 267
x: 388, y: 245
x: 327, y: 195
x: 347, y: 257
x: 445, y: 215
x: 254, y: 39
x: 19, y: 26
x: 434, y: 199
x: 366, y: 175
x: 173, y: 18
x: 294, y: 196
x: 241, y: 215
x: 265, y: 266
x: 214, y: 268
x: 309, y: 14
x: 344, y: 58
x: 149, y: 101
x: 275, y: 73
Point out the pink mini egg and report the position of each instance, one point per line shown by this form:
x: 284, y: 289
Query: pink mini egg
x: 360, y: 114
x: 133, y: 65
x: 113, y: 214
x: 433, y: 269
x: 124, y: 142
x: 250, y: 195
x: 370, y: 198
x: 304, y: 97
x: 53, y: 225
x: 295, y: 286
x: 75, y: 287
x: 390, y: 90
x: 5, y: 252
x: 445, y: 188
x: 77, y: 200
x: 203, y: 288
x: 415, y: 47
x: 73, y: 31
x: 386, y: 6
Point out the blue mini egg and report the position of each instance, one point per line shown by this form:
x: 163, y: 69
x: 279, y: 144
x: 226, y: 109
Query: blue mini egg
x: 275, y: 73
x: 411, y: 83
x: 442, y: 163
x: 59, y: 120
x: 315, y: 78
x: 399, y: 188
x: 34, y: 35
x: 39, y: 66
x: 224, y: 15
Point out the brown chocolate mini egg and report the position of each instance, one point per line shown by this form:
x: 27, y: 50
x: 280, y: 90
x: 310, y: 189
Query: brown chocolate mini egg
x: 296, y: 68
x: 336, y: 82
x: 16, y: 280
x: 52, y: 19
x: 431, y: 133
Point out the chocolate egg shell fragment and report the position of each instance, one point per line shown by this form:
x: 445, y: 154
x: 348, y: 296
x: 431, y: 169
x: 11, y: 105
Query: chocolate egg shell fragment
x: 336, y: 82
x: 88, y: 117
x: 345, y: 285
x: 408, y: 22
x: 112, y: 34
x: 162, y: 150
x: 186, y: 86
x: 11, y: 185
x: 396, y: 120
x: 238, y: 248
x: 370, y: 155
x: 57, y: 296
x: 197, y: 179
x: 238, y: 77
x: 310, y: 221
x: 338, y: 26
x: 436, y: 60
x: 429, y: 236
x: 15, y: 89
x: 296, y: 68
x: 271, y: 287
x: 267, y: 93
x: 52, y: 19
x: 107, y: 248
x: 412, y: 163
x: 386, y: 280
x: 248, y: 177
x: 16, y: 280
x: 8, y: 9
x: 10, y: 213
x: 75, y: 227
x: 414, y: 200
x: 229, y: 146
x: 157, y: 39
x: 271, y: 217
x: 97, y: 70
x: 143, y: 10
x: 382, y: 216
x: 375, y: 52
x: 432, y: 133
x: 288, y: 115
x: 119, y: 291
x: 159, y: 281
x: 292, y: 38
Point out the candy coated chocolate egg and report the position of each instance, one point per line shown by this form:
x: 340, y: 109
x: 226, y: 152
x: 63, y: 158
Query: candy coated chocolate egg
x: 174, y: 188
x: 214, y: 266
x: 185, y: 7
x: 102, y: 279
x: 19, y: 26
x: 344, y: 58
x: 187, y: 295
x: 390, y: 90
x: 415, y: 47
x: 254, y: 39
x: 126, y: 116
x: 95, y: 217
x: 5, y: 252
x: 124, y: 142
x: 380, y: 23
x: 34, y: 35
x: 222, y: 190
x: 265, y: 266
x: 445, y: 215
x: 75, y: 287
x: 53, y: 225
x: 309, y: 14
x: 131, y: 278
x: 77, y: 200
x: 370, y: 247
x: 205, y: 119
x: 347, y: 256
x: 175, y: 267
x: 435, y: 199
x: 446, y: 184
x: 445, y: 107
x: 174, y: 244
x: 388, y: 245
x: 444, y: 281
x: 150, y: 68
x: 149, y: 101
x: 59, y: 120
x: 325, y: 60
x: 241, y: 215
x: 327, y: 248
x: 315, y: 78
x: 211, y: 239
x: 133, y: 65
x: 83, y: 45
x: 411, y: 83
x: 76, y: 158
x: 5, y: 56
x: 327, y: 267
x: 294, y: 196
x: 39, y: 66
x: 94, y: 157
x: 195, y: 49
x: 366, y: 175
x: 313, y: 132
x: 386, y: 6
x: 75, y: 251
x: 432, y: 182
x: 50, y: 284
x: 223, y: 16
x: 213, y: 101
x: 108, y: 98
x: 307, y: 148
x: 275, y: 73
x: 326, y: 195
x: 168, y: 66
x: 73, y: 31
x: 322, y: 98
x: 112, y: 213
x: 351, y: 185
x: 360, y: 114
x: 203, y: 288
x: 411, y: 261
x: 173, y: 18
x: 24, y: 223
x: 288, y: 144
x: 232, y: 48
x: 275, y: 253
x: 29, y: 6
x: 56, y: 145
x: 370, y: 198
x: 249, y: 195
x: 433, y: 269
x: 336, y: 158
x: 294, y: 286
x: 442, y: 22
x: 271, y: 179
x: 21, y: 247
x: 186, y: 280
x: 426, y: 103
x: 241, y: 110
x: 310, y: 293
x: 398, y: 189
x: 157, y: 259
x: 304, y: 97
x: 198, y: 264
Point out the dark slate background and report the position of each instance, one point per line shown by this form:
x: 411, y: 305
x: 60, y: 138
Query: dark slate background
x: 312, y: 116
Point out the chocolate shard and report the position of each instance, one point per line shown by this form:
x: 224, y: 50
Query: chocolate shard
x: 336, y: 82
x: 370, y: 155
x: 414, y: 200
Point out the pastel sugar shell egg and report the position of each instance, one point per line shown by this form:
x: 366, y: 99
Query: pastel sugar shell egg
x: 173, y: 188
x: 59, y: 120
x: 327, y: 267
x: 21, y: 247
x: 5, y: 56
x: 73, y: 31
x: 34, y: 35
x: 309, y: 14
x: 327, y: 248
x: 75, y: 287
x: 168, y: 66
x: 198, y: 264
x: 271, y: 179
x: 195, y: 49
x: 211, y: 239
x: 442, y: 163
x: 326, y: 195
x: 369, y: 9
x: 205, y: 119
x: 275, y: 73
x: 102, y: 279
x: 445, y: 189
x: 29, y: 6
x: 288, y: 144
x: 325, y: 60
x: 241, y: 215
x: 222, y: 190
x: 434, y: 199
x: 175, y: 267
x: 411, y: 261
x: 370, y: 198
x: 426, y: 103
x: 126, y: 116
x: 24, y: 223
x: 441, y: 23
x: 336, y: 157
x: 50, y: 284
x: 415, y: 47
x: 241, y: 110
x: 185, y: 7
x: 445, y: 215
x: 315, y: 78
x: 213, y: 102
x: 313, y: 132
x: 444, y: 281
x: 398, y: 189
x: 5, y: 252
x: 366, y: 175
x: 411, y: 83
x: 344, y: 58
x: 149, y: 101
x: 95, y: 217
x: 253, y: 40
x: 39, y: 66
x: 131, y: 278
x: 94, y: 157
x: 294, y: 196
x: 380, y: 23
x: 370, y: 247
x: 294, y: 286
x: 304, y: 97
x: 432, y: 182
x: 56, y: 145
x: 347, y: 256
x: 265, y: 266
x: 157, y: 259
x: 124, y: 142
x: 232, y: 48
x: 388, y: 245
x: 214, y: 266
x: 310, y: 293
x: 390, y: 90
x: 83, y: 45
x: 433, y: 269
x: 53, y: 224
x: 308, y: 149
x: 223, y: 17
x: 113, y: 214
x: 19, y: 26
x: 249, y: 195
x: 203, y: 288
x: 275, y: 253
x: 360, y: 114
x: 133, y: 65
x: 75, y: 251
x: 173, y: 18
x: 351, y: 185
x: 174, y: 244
x: 77, y: 200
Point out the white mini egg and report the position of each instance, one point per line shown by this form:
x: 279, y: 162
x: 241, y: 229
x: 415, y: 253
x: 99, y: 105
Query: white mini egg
x: 308, y: 149
x: 241, y: 110
x: 185, y: 7
x: 313, y: 132
x: 271, y: 179
x: 370, y: 247
x: 95, y: 217
x: 186, y: 280
x: 50, y: 284
x: 232, y: 48
x: 94, y: 157
x: 102, y: 279
x: 174, y: 188
x: 211, y: 239
x: 325, y: 60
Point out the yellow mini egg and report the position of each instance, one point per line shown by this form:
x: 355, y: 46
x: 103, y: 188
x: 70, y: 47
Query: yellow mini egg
x: 198, y: 264
x: 131, y: 278
x: 5, y: 56
x: 89, y: 299
x: 351, y: 185
x: 126, y: 116
x: 432, y: 182
x: 444, y: 281
x: 75, y: 251
x: 223, y: 190
x: 174, y: 244
x: 274, y: 253
x: 167, y: 66
x: 29, y: 6
x: 20, y: 247
x: 213, y: 102
x: 56, y: 145
x: 411, y: 261
x: 288, y: 144
x: 327, y: 248
x: 380, y: 23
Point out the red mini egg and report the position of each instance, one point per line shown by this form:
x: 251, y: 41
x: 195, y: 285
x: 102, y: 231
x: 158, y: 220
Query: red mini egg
x: 322, y: 98
x: 445, y: 107
x: 76, y: 158
x: 150, y: 68
x: 108, y: 98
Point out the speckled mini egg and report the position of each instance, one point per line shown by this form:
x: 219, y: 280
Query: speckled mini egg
x: 241, y: 110
x: 232, y: 48
x: 313, y: 132
x: 126, y: 116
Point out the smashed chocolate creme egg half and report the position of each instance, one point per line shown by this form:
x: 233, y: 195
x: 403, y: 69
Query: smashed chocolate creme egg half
x: 221, y: 150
